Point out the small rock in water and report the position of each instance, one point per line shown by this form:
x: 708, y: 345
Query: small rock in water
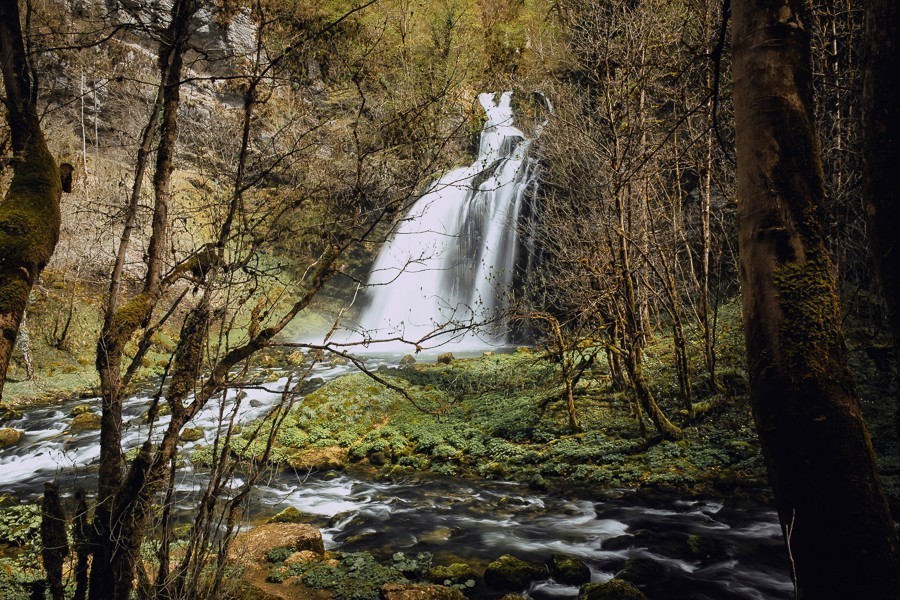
x: 615, y: 589
x: 407, y: 360
x: 511, y: 573
x: 85, y: 421
x: 288, y: 515
x: 9, y: 437
x: 568, y: 569
x: 191, y: 434
x: 446, y: 358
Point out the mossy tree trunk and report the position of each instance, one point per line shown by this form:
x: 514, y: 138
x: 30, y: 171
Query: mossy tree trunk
x: 834, y: 515
x: 29, y: 213
x: 881, y: 139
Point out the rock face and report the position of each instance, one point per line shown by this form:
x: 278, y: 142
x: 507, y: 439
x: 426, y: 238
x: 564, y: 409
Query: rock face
x: 410, y: 591
x: 568, y: 569
x: 254, y: 545
x: 615, y: 589
x: 9, y: 437
x: 511, y: 573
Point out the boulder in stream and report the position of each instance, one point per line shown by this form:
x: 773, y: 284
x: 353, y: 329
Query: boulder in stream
x: 328, y: 458
x: 419, y: 591
x: 85, y: 421
x: 614, y: 589
x: 568, y: 569
x: 457, y: 573
x: 511, y: 573
x: 288, y: 515
x: 446, y: 358
x: 9, y: 437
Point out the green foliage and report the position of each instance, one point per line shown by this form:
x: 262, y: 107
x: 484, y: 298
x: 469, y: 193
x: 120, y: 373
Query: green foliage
x: 358, y: 576
x: 20, y: 524
x: 279, y: 554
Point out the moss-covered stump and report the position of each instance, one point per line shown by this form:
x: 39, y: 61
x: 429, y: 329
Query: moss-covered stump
x: 511, y: 573
x: 288, y: 515
x: 615, y: 589
x: 255, y: 545
x: 455, y: 574
x: 85, y: 421
x: 328, y: 458
x: 568, y: 569
x: 191, y: 434
x: 9, y: 437
x: 420, y: 591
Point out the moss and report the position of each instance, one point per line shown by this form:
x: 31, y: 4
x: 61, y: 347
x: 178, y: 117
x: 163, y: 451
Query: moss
x: 288, y: 515
x: 615, y: 589
x: 511, y: 573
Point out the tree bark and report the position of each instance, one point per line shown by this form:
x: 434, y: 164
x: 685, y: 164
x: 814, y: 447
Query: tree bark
x: 881, y: 146
x: 29, y: 213
x: 834, y: 515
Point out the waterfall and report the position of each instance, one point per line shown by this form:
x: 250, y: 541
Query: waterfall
x: 450, y: 262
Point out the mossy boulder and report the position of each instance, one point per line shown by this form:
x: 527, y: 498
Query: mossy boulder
x: 81, y: 409
x: 455, y: 574
x: 84, y: 422
x: 418, y: 591
x: 568, y: 569
x: 328, y: 458
x: 446, y: 358
x: 9, y: 437
x: 191, y: 434
x: 511, y: 573
x: 8, y: 413
x: 407, y: 360
x: 288, y: 515
x: 615, y: 589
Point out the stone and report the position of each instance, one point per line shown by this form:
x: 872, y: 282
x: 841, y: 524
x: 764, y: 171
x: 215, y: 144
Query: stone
x: 191, y: 434
x: 511, y: 573
x: 643, y: 570
x: 85, y: 421
x: 288, y: 515
x: 419, y: 591
x: 568, y: 569
x: 81, y: 409
x: 407, y: 360
x: 255, y: 544
x: 446, y: 358
x: 615, y: 589
x: 9, y: 437
x: 455, y: 574
x: 327, y: 458
x: 302, y: 557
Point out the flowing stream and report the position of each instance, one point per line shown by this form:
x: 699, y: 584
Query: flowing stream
x: 456, y: 520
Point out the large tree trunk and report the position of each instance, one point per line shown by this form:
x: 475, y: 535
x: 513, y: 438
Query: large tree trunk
x: 881, y: 139
x: 835, y: 518
x: 29, y: 214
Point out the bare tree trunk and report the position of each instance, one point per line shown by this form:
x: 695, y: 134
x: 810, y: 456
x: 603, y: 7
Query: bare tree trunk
x: 55, y: 544
x: 29, y: 213
x: 881, y: 131
x: 832, y: 508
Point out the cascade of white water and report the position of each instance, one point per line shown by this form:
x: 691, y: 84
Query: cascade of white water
x: 450, y: 262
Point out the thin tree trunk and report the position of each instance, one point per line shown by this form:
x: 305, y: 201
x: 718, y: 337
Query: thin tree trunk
x: 29, y: 213
x: 832, y: 508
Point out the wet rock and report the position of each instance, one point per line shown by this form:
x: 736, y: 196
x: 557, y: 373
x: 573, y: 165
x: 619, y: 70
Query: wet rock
x: 296, y: 358
x: 407, y: 360
x: 255, y: 545
x: 511, y: 573
x: 643, y: 570
x: 341, y: 516
x: 568, y: 569
x: 615, y: 589
x: 705, y: 547
x: 191, y: 434
x: 339, y: 361
x: 288, y: 515
x: 85, y: 421
x: 254, y: 403
x: 418, y: 591
x: 9, y: 437
x: 620, y: 542
x: 446, y: 358
x: 8, y: 413
x: 80, y: 410
x: 328, y: 458
x: 330, y: 475
x: 457, y: 573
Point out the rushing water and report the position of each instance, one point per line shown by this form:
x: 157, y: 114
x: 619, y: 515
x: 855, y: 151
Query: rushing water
x: 451, y: 260
x: 468, y: 521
